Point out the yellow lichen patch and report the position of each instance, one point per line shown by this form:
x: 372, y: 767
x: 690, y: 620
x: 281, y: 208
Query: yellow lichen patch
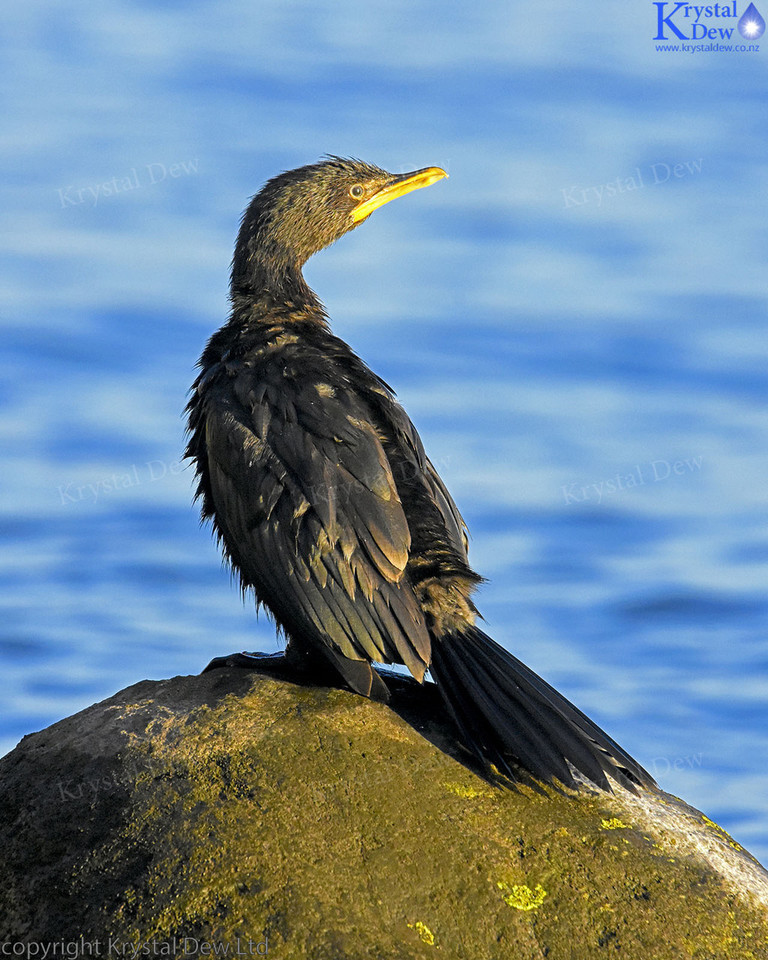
x: 424, y: 932
x: 466, y: 793
x: 521, y: 897
x: 723, y: 833
x: 614, y: 824
x: 129, y: 709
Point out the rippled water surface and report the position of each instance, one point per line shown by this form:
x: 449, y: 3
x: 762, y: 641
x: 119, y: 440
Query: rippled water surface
x: 575, y: 320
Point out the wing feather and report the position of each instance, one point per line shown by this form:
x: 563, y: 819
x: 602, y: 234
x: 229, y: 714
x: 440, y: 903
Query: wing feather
x: 309, y: 512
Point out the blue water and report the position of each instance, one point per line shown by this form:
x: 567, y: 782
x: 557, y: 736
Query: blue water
x: 574, y: 320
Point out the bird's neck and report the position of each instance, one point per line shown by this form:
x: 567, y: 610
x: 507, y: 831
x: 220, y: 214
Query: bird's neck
x: 274, y: 287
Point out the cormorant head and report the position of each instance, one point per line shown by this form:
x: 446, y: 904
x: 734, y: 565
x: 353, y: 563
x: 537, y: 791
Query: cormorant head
x: 302, y: 211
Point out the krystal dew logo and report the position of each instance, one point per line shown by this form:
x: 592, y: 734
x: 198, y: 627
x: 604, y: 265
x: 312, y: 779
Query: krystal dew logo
x: 686, y: 21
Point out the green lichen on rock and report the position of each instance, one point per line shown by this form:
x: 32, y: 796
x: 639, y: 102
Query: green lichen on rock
x: 424, y: 932
x: 613, y: 823
x: 466, y: 792
x: 521, y: 897
x: 234, y: 807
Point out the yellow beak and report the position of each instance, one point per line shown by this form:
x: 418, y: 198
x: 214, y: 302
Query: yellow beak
x: 397, y: 187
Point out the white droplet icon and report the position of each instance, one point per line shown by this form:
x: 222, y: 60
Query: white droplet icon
x: 751, y: 26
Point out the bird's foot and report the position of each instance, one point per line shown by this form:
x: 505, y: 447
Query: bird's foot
x: 304, y: 665
x: 301, y: 665
x: 247, y: 661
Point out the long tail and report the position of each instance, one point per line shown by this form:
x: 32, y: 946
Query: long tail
x: 508, y: 716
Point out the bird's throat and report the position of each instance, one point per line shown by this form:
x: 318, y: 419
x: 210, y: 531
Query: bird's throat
x: 273, y: 292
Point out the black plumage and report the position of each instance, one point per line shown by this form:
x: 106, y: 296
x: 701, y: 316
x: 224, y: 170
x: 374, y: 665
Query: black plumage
x: 328, y: 508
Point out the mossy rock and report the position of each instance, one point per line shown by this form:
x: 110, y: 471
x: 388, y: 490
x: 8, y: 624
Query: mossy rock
x: 240, y: 814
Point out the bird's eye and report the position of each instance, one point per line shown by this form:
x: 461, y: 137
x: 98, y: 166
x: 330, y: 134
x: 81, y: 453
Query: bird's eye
x: 356, y: 191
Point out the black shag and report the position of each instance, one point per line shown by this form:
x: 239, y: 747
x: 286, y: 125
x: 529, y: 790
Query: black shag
x: 328, y: 508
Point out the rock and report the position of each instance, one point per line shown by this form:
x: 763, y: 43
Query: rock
x: 239, y: 814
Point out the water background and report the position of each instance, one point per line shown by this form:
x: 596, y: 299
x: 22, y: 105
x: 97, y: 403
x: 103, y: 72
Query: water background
x: 575, y: 321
